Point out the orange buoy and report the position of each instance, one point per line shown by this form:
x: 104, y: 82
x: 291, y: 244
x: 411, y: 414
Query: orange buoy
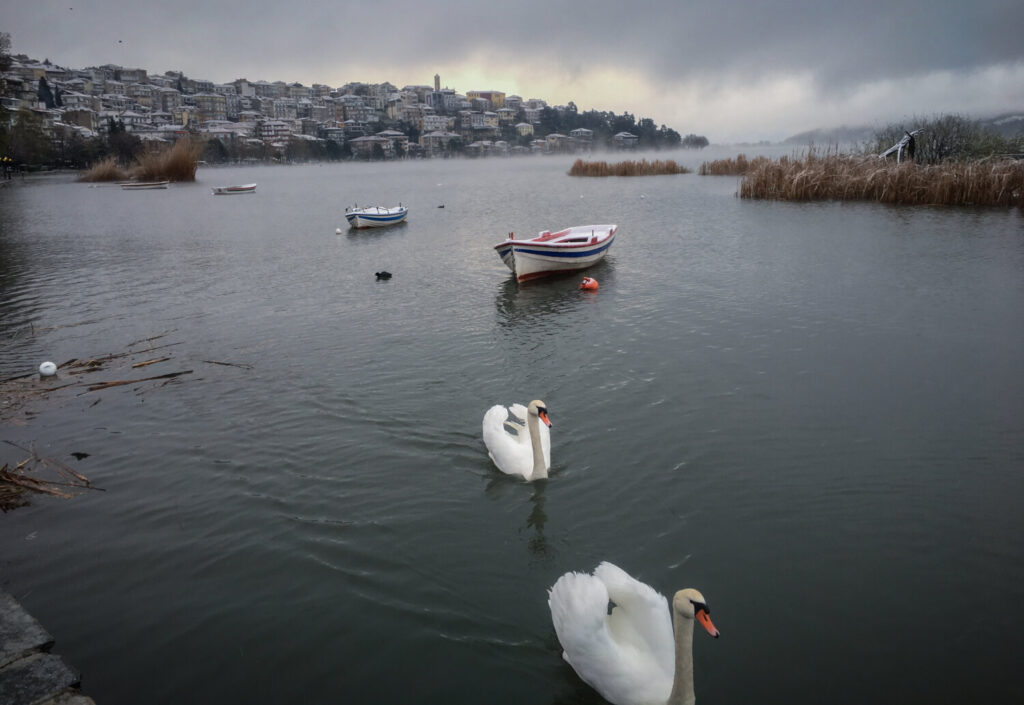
x: 588, y: 284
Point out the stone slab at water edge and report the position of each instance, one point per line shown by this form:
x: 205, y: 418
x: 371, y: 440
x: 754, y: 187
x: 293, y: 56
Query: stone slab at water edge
x: 29, y: 674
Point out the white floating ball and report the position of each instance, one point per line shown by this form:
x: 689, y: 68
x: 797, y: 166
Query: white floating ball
x: 47, y: 369
x: 337, y: 231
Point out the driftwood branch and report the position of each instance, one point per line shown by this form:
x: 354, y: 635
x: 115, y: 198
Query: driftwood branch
x: 33, y: 455
x: 150, y: 362
x: 30, y: 483
x: 243, y: 365
x: 150, y: 339
x: 120, y: 382
x: 15, y: 481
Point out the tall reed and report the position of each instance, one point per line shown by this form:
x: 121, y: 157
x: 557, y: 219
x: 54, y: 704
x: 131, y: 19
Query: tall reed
x: 987, y: 182
x: 104, y: 170
x: 730, y: 167
x: 626, y: 168
x: 178, y: 163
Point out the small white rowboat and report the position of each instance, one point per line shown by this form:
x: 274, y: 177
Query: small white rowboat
x: 231, y: 190
x: 568, y: 250
x: 142, y: 185
x: 375, y: 216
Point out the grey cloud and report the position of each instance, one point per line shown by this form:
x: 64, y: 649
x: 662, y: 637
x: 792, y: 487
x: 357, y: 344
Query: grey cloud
x: 718, y: 46
x: 843, y: 43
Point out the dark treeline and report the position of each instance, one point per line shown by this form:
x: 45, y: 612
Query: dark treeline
x: 605, y: 124
x: 26, y: 143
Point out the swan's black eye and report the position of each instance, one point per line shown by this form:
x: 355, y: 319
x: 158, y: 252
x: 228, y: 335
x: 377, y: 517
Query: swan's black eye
x: 698, y: 606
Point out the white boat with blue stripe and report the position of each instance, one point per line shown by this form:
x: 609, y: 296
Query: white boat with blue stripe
x: 375, y: 216
x: 567, y: 250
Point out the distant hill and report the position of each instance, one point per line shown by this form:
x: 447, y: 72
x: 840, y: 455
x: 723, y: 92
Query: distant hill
x: 836, y: 135
x: 1006, y: 125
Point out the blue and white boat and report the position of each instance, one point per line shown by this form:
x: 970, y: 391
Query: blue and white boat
x: 567, y: 250
x: 375, y: 216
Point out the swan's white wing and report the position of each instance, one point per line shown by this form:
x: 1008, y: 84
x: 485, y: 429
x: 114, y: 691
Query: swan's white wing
x: 512, y: 454
x: 614, y: 661
x: 519, y: 412
x: 641, y: 615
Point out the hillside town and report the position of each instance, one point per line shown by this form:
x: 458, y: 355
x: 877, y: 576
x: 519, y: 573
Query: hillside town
x: 259, y: 120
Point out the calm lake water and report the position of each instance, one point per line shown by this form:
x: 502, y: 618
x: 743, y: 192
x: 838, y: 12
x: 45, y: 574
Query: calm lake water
x: 813, y: 413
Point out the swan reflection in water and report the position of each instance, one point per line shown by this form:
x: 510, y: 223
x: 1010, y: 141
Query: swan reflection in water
x: 501, y: 486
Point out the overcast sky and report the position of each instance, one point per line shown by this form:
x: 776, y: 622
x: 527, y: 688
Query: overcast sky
x: 732, y: 71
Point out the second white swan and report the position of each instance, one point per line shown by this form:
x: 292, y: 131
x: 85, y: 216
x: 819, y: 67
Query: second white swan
x: 519, y: 449
x: 636, y: 654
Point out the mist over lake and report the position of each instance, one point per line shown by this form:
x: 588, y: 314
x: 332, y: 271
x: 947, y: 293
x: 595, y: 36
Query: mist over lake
x: 810, y: 412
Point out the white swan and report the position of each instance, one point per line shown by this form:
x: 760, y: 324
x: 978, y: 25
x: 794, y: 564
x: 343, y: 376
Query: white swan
x: 517, y: 449
x: 631, y: 656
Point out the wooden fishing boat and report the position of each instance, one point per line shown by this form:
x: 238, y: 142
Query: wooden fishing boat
x: 232, y: 190
x: 143, y: 185
x: 375, y: 216
x: 549, y: 253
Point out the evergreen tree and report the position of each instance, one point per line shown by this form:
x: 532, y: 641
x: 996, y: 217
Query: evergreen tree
x: 124, y: 145
x: 5, y: 51
x: 692, y: 141
x: 44, y: 94
x: 28, y: 143
x: 215, y: 152
x: 334, y: 150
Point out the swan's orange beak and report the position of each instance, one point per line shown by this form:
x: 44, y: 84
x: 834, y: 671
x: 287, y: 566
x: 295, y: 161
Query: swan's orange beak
x: 544, y: 417
x: 705, y: 621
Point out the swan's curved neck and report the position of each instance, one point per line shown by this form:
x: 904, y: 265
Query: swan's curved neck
x: 540, y: 469
x: 682, y: 685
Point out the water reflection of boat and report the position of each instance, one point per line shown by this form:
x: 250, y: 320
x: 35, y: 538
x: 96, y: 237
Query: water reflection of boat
x: 568, y: 250
x: 375, y: 216
x: 546, y: 302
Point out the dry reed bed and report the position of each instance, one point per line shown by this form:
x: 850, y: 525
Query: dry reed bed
x: 177, y: 163
x: 104, y: 170
x: 730, y: 167
x: 626, y: 168
x: 989, y: 182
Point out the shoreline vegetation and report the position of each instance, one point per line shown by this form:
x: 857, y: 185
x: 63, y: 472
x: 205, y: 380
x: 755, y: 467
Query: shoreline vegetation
x: 952, y: 161
x: 736, y: 166
x: 177, y: 163
x: 991, y: 181
x: 627, y: 168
